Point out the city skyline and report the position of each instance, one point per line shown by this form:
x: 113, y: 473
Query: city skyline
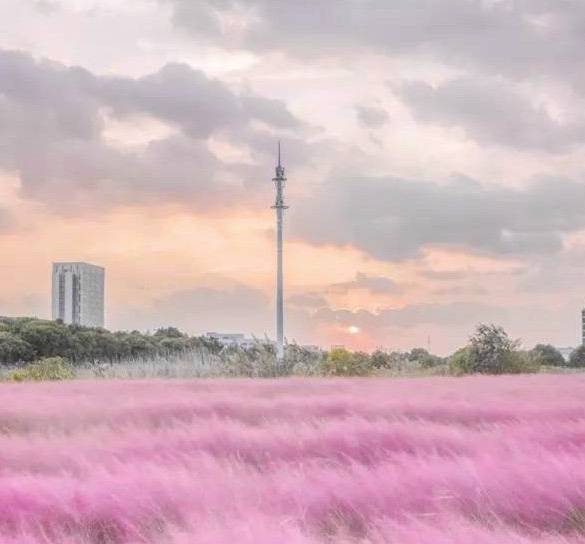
x: 436, y: 150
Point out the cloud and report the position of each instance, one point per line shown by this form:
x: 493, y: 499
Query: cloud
x: 371, y: 116
x: 307, y: 301
x: 451, y: 314
x: 519, y: 40
x: 53, y: 124
x: 7, y: 220
x: 491, y: 111
x: 46, y: 7
x: 394, y: 218
x: 377, y: 285
x: 459, y: 290
x: 233, y: 309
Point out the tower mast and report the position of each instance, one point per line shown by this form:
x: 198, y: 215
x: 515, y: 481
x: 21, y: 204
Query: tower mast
x: 279, y: 206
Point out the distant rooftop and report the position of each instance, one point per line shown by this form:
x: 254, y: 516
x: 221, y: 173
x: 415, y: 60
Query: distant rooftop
x: 77, y: 263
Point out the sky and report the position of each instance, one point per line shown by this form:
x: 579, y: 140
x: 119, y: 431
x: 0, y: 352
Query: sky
x: 434, y: 151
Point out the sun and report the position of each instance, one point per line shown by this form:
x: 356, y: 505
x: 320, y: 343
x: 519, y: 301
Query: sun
x: 352, y: 329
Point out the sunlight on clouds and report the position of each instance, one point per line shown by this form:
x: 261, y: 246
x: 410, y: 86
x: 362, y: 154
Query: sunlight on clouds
x: 137, y: 130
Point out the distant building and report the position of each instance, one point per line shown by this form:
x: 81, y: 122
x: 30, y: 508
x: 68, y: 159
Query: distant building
x: 78, y: 294
x: 583, y: 326
x: 312, y: 348
x: 337, y: 346
x: 231, y: 340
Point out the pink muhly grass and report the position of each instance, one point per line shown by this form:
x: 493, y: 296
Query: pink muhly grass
x: 480, y: 459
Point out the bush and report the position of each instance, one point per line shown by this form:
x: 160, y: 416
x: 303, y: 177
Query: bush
x: 577, y: 359
x: 14, y: 349
x: 341, y: 362
x: 394, y: 360
x: 424, y: 358
x: 460, y: 362
x: 52, y: 368
x: 380, y: 359
x: 491, y: 351
x: 548, y: 355
x: 520, y: 362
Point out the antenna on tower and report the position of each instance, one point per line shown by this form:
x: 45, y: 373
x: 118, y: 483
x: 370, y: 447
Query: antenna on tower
x: 279, y: 168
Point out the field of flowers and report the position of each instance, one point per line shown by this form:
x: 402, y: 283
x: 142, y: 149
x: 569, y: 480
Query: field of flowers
x: 444, y: 461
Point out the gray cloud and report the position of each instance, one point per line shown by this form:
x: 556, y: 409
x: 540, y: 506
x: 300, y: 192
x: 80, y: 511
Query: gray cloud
x: 179, y: 95
x: 52, y: 133
x: 456, y: 313
x: 377, y: 285
x: 307, y: 301
x: 491, y: 112
x: 393, y: 218
x: 46, y: 7
x: 518, y: 39
x: 459, y: 290
x: 371, y: 116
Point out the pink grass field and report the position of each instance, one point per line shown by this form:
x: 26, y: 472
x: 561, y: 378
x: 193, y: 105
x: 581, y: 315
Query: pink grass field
x: 445, y: 460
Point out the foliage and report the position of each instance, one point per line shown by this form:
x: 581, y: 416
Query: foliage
x: 491, y: 351
x: 577, y: 358
x: 341, y: 362
x: 547, y: 355
x: 26, y: 339
x: 424, y: 358
x: 380, y: 359
x: 300, y: 361
x: 14, y: 349
x: 169, y: 332
x: 49, y: 369
x: 460, y: 362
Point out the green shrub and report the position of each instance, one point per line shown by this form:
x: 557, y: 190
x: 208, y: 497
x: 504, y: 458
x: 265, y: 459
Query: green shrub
x: 51, y: 368
x: 341, y: 362
x: 577, y: 359
x: 424, y: 358
x: 491, y: 351
x: 14, y: 349
x: 548, y: 355
x: 520, y: 362
x: 461, y: 363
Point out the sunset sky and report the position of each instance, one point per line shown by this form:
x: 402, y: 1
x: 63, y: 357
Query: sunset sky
x: 435, y: 154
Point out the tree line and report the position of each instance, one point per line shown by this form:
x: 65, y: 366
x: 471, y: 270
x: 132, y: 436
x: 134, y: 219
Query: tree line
x: 489, y: 351
x: 28, y: 339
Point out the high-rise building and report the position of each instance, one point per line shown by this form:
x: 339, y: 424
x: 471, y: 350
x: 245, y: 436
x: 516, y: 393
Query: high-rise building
x: 78, y: 294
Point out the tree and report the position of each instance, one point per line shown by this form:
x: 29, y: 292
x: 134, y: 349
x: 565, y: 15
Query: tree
x: 424, y: 358
x: 491, y: 351
x: 490, y: 345
x: 341, y: 362
x: 460, y: 362
x: 577, y: 358
x: 380, y: 359
x: 548, y: 355
x: 169, y: 332
x: 14, y: 349
x: 48, y: 338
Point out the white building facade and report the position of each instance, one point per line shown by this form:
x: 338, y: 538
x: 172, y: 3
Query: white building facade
x: 232, y: 340
x: 78, y: 294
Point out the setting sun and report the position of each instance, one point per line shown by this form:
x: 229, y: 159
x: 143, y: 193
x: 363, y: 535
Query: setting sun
x: 353, y: 329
